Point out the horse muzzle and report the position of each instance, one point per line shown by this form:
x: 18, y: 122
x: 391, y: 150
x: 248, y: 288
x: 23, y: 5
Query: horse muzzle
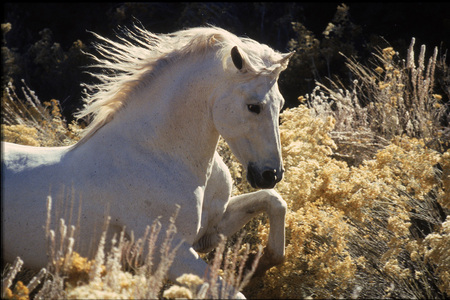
x: 266, y: 178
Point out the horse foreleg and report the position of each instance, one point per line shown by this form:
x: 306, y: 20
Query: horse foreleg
x: 243, y: 208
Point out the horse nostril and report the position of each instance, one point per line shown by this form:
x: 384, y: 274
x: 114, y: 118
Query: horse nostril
x: 270, y: 175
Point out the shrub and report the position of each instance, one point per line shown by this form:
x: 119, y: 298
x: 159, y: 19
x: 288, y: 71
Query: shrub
x: 29, y: 122
x: 345, y: 224
x: 360, y: 222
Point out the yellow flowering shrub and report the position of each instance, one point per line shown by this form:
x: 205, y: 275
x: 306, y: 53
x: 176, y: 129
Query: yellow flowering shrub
x: 20, y: 134
x: 344, y: 221
x: 20, y: 292
x: 190, y: 286
x: 445, y: 200
x: 30, y: 122
x: 365, y: 229
x: 78, y: 269
x: 437, y: 250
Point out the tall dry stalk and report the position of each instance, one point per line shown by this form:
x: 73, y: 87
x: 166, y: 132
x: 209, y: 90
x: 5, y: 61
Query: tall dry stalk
x: 28, y: 121
x: 393, y: 98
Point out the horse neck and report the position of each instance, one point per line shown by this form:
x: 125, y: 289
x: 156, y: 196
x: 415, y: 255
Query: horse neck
x: 171, y: 116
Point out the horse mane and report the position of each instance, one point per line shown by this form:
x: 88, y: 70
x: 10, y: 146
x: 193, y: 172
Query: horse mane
x: 139, y: 53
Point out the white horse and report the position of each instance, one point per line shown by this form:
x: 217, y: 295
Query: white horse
x: 157, y: 114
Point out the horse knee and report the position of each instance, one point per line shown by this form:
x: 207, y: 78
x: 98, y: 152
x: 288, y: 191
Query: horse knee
x: 277, y: 203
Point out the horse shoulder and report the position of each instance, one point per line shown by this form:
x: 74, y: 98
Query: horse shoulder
x: 141, y: 188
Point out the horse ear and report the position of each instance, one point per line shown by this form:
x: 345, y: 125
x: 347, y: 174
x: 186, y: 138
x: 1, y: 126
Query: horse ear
x: 286, y: 57
x: 237, y: 58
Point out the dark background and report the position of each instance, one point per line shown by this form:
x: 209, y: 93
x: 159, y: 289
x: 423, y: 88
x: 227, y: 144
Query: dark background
x: 51, y: 63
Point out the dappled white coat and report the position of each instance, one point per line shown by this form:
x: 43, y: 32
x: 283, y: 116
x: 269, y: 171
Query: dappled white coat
x: 151, y: 146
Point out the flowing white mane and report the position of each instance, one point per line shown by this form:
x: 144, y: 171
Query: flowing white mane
x: 139, y: 53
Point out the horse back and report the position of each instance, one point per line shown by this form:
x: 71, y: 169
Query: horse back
x: 27, y: 175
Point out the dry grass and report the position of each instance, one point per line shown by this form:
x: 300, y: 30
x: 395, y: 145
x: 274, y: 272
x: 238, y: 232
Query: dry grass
x: 391, y: 98
x: 127, y: 270
x: 31, y: 122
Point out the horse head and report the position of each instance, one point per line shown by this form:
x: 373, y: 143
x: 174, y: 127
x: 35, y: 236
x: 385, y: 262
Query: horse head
x: 247, y: 116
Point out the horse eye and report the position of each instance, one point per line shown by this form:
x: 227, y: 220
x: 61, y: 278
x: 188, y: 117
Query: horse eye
x: 254, y: 108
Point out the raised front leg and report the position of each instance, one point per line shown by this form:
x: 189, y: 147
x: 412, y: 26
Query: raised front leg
x: 242, y: 209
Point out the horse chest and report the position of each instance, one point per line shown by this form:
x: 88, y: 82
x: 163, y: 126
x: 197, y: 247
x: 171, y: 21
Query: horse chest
x: 216, y: 197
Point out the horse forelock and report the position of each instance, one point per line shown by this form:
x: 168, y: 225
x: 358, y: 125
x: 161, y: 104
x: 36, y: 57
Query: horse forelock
x: 139, y: 53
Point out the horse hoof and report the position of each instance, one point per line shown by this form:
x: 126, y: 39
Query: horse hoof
x: 267, y: 261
